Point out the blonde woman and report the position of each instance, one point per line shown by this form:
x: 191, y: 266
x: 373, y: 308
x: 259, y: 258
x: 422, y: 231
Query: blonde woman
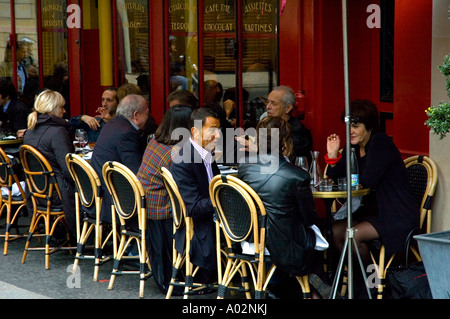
x: 49, y: 133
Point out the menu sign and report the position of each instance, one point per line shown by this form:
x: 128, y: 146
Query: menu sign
x: 53, y: 13
x: 219, y: 16
x: 183, y: 17
x: 260, y: 16
x: 136, y: 14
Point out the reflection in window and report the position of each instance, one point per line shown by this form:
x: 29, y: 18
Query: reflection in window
x: 26, y: 47
x: 219, y: 58
x: 133, y: 39
x: 260, y: 53
x: 55, y: 49
x: 5, y: 48
x: 183, y: 45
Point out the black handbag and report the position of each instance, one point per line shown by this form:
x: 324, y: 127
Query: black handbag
x: 408, y: 281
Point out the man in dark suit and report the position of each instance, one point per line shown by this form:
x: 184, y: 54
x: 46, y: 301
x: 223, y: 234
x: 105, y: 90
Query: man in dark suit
x: 13, y: 113
x: 120, y: 141
x: 193, y: 167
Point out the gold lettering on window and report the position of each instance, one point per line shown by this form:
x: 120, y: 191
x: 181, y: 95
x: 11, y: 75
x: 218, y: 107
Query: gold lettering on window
x: 261, y: 28
x: 52, y: 7
x: 258, y: 6
x: 53, y: 23
x: 218, y: 27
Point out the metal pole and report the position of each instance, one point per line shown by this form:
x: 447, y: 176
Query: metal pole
x: 350, y: 230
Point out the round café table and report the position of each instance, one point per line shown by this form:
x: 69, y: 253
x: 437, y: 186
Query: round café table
x: 11, y: 146
x: 11, y: 141
x: 329, y: 197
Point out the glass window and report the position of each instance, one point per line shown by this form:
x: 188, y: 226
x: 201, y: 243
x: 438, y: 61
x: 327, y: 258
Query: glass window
x: 221, y: 44
x: 54, y: 48
x: 26, y: 40
x: 27, y: 48
x: 219, y: 59
x: 5, y: 44
x: 133, y: 42
x: 260, y: 53
x: 183, y: 45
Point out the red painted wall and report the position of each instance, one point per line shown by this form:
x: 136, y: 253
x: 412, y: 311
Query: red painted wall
x: 157, y: 73
x: 412, y: 72
x: 74, y: 68
x: 90, y: 73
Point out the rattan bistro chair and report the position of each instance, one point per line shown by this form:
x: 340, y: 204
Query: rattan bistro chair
x: 241, y: 216
x: 88, y: 203
x: 180, y: 221
x: 423, y: 176
x: 129, y: 211
x: 9, y: 201
x: 46, y: 201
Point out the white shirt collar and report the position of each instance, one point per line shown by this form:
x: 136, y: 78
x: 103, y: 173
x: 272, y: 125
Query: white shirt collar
x: 205, y: 154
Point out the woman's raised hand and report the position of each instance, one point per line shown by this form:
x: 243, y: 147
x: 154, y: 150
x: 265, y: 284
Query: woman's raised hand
x: 333, y: 145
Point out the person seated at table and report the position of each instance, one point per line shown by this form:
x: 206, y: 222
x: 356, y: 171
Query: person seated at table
x: 49, y: 133
x: 193, y: 167
x: 120, y: 141
x: 281, y: 102
x: 150, y: 126
x: 127, y: 89
x: 183, y: 97
x: 93, y: 125
x: 159, y: 213
x: 285, y: 192
x: 389, y: 211
x: 13, y: 113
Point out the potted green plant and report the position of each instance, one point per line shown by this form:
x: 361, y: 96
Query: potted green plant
x: 439, y: 116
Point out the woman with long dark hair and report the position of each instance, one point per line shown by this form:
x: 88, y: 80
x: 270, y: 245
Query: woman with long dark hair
x: 159, y: 214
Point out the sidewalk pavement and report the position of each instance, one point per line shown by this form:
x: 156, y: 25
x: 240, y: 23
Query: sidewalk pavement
x: 31, y: 280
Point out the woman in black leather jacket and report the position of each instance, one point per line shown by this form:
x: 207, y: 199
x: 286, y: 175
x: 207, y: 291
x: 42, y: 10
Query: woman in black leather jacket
x: 286, y: 194
x: 49, y: 133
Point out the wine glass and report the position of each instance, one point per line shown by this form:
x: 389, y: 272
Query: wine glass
x: 81, y: 138
x: 218, y: 153
x: 302, y: 162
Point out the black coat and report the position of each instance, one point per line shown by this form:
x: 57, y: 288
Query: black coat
x: 118, y: 141
x: 301, y: 139
x: 383, y: 171
x: 51, y: 137
x: 284, y: 189
x: 15, y: 117
x: 192, y: 181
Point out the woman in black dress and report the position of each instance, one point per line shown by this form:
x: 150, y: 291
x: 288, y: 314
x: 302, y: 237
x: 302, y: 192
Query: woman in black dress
x: 389, y: 212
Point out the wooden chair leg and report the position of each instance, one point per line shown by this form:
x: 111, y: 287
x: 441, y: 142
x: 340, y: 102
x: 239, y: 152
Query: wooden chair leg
x: 47, y: 242
x: 117, y: 259
x: 245, y: 283
x: 98, y: 251
x: 33, y: 225
x: 7, y: 227
x: 175, y: 271
x: 344, y: 286
x: 381, y: 272
x: 304, y: 284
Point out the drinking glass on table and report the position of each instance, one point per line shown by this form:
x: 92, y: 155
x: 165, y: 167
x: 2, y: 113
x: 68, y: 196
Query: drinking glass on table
x: 218, y: 152
x: 302, y: 162
x: 81, y: 138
